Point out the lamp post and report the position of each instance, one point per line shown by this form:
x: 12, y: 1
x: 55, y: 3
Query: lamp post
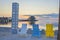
x: 58, y: 35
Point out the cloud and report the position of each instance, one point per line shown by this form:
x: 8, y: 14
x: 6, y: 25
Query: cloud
x: 49, y: 18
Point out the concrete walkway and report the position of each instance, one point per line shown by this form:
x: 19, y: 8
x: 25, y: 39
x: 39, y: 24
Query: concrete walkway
x: 9, y: 36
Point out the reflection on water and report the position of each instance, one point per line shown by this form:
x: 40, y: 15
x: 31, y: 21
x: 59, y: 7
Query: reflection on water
x: 19, y: 24
x: 28, y: 25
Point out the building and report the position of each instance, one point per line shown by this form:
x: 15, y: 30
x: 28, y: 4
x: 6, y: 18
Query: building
x: 15, y: 12
x: 4, y: 20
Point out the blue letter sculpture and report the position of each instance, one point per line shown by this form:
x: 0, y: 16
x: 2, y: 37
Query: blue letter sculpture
x: 35, y: 32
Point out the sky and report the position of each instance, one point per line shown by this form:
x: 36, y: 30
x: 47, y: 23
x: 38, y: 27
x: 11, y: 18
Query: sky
x: 29, y: 7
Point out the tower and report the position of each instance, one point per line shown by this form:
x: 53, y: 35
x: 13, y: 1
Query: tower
x: 15, y: 11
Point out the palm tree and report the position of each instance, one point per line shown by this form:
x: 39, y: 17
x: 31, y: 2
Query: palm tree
x: 32, y: 20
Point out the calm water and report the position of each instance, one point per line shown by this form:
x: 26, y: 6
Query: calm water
x: 28, y: 25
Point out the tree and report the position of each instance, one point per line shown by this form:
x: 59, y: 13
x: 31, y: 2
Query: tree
x: 32, y: 20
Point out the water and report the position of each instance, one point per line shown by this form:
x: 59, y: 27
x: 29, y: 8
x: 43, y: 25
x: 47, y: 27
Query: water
x: 28, y: 25
x: 19, y: 24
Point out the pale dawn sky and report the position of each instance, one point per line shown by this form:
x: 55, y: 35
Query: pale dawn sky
x: 29, y: 7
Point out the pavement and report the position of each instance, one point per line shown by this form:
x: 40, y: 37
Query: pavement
x: 10, y: 36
